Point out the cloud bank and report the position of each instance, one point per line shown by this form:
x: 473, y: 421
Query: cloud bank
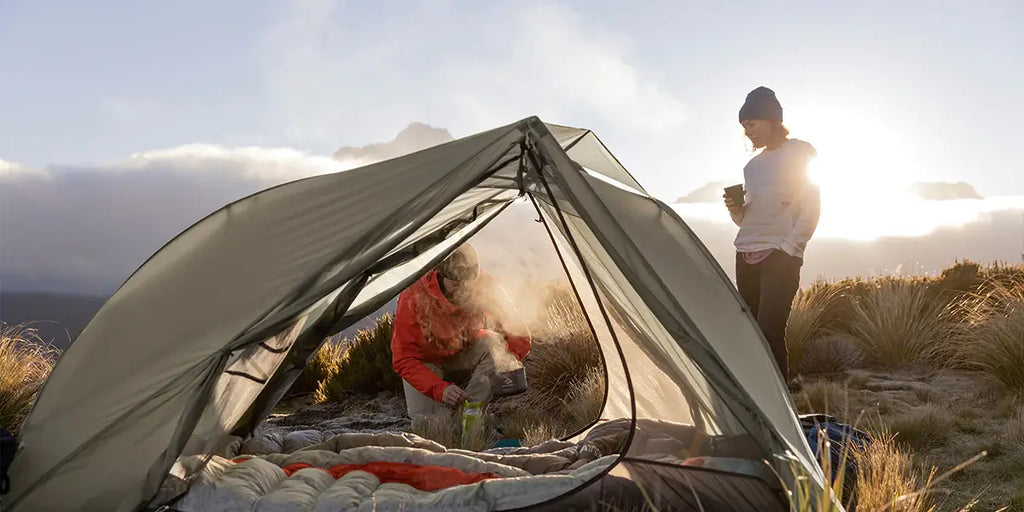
x: 84, y: 229
x: 985, y: 231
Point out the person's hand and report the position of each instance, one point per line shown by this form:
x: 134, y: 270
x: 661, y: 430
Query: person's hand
x: 454, y: 395
x: 731, y: 205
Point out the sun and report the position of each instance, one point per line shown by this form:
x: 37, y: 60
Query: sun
x: 865, y: 170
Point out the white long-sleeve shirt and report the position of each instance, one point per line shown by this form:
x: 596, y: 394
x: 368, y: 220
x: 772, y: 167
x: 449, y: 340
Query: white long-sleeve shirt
x: 782, y: 204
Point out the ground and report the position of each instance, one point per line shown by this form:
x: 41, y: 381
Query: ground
x: 383, y: 412
x: 944, y: 418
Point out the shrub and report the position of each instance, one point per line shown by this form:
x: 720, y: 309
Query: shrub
x: 365, y: 367
x: 960, y: 278
x: 991, y: 337
x: 324, y: 363
x: 25, y: 362
x: 897, y: 324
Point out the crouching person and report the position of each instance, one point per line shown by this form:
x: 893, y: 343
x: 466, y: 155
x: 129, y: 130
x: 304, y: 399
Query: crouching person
x: 454, y: 319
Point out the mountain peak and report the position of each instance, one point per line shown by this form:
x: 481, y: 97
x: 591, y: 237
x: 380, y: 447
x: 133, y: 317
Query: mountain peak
x: 414, y: 137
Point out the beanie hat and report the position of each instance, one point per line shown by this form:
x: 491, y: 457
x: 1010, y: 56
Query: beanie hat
x: 761, y: 104
x: 461, y: 265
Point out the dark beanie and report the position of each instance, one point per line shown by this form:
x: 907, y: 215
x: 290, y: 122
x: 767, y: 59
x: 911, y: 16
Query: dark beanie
x: 761, y: 104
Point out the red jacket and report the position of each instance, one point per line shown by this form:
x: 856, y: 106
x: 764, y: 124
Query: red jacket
x: 429, y: 328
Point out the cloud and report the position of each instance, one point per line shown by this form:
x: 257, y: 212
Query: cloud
x: 711, y: 192
x: 11, y: 170
x: 323, y: 64
x: 944, y: 191
x: 84, y: 229
x: 980, y: 230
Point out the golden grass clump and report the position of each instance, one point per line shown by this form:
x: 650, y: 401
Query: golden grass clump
x: 990, y: 337
x: 831, y: 354
x: 366, y: 366
x: 887, y: 479
x: 822, y: 396
x: 811, y: 318
x: 898, y: 324
x: 322, y: 365
x: 25, y: 363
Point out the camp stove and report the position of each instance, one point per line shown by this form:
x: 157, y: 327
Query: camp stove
x: 509, y: 383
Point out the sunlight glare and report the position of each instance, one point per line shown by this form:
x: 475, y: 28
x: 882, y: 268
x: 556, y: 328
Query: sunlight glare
x: 866, y: 172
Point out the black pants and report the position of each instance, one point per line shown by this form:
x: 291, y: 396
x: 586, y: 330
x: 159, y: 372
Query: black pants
x: 768, y: 288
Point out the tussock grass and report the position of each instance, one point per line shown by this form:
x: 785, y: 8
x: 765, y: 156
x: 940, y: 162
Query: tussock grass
x: 25, y: 362
x: 991, y: 333
x: 365, y: 367
x: 922, y: 428
x: 898, y: 325
x: 887, y: 479
x: 812, y: 317
x: 831, y: 354
x: 822, y: 397
x: 565, y: 373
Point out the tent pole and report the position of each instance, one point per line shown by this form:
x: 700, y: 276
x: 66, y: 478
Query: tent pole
x: 579, y: 300
x: 534, y: 159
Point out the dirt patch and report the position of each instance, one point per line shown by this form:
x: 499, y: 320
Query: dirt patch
x: 381, y: 413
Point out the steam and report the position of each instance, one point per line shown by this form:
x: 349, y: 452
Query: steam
x: 504, y: 361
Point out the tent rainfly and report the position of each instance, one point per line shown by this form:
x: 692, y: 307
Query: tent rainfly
x: 206, y: 336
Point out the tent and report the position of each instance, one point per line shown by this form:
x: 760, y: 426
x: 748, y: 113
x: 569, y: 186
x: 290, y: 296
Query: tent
x: 206, y: 336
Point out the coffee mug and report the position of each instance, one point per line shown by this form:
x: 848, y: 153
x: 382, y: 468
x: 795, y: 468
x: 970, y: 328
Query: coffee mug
x: 736, y: 193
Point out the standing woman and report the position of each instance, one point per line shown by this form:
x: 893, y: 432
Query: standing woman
x: 777, y: 217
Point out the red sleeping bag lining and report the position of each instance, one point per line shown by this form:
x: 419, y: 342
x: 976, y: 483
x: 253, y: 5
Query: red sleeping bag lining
x: 424, y: 478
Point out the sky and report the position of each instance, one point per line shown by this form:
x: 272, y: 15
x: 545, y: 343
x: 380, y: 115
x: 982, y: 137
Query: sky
x: 661, y: 82
x: 122, y: 123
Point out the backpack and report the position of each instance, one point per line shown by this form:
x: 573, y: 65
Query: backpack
x: 7, y: 446
x: 842, y: 440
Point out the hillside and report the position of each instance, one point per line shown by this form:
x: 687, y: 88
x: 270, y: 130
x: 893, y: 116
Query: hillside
x: 57, y: 317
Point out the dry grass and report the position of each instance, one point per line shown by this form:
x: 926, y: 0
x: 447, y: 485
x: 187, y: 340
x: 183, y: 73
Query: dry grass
x: 922, y: 428
x: 991, y: 334
x: 366, y: 366
x: 811, y: 318
x: 887, y: 479
x: 898, y: 324
x: 565, y: 373
x: 445, y: 428
x: 823, y: 397
x: 324, y: 363
x: 25, y: 362
x: 831, y: 354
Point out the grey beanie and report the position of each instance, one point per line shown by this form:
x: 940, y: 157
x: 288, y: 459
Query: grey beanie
x: 461, y: 265
x: 761, y: 104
